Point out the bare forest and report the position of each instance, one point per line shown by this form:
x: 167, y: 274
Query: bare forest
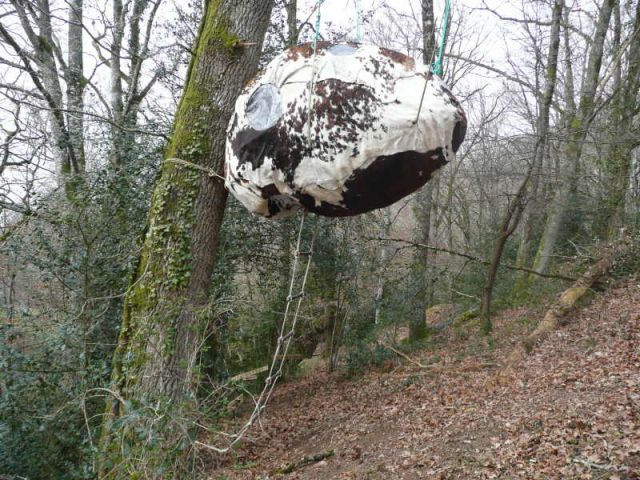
x: 485, y: 326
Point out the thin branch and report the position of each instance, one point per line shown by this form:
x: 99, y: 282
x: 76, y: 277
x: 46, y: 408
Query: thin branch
x: 473, y: 258
x: 504, y: 74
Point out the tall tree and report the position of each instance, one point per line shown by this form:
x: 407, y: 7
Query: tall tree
x: 33, y: 36
x: 424, y: 198
x: 623, y: 131
x: 40, y: 59
x: 160, y: 334
x: 126, y: 90
x: 578, y: 122
x: 75, y: 80
x: 516, y: 206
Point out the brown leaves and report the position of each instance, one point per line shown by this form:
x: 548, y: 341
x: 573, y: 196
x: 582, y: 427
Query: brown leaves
x: 570, y: 410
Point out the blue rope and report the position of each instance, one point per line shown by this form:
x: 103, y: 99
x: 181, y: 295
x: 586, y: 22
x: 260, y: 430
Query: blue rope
x: 318, y: 18
x: 437, y: 65
x: 358, y: 21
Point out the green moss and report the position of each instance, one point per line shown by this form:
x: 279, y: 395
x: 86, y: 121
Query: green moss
x: 189, y: 140
x: 465, y: 317
x: 156, y: 297
x: 216, y: 33
x: 222, y: 37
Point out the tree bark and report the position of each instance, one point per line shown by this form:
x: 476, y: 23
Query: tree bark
x: 624, y: 134
x: 428, y: 31
x: 116, y: 95
x: 75, y: 81
x: 167, y: 302
x: 292, y: 22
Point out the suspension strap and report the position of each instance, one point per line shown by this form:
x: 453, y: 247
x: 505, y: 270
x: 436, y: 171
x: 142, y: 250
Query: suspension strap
x: 316, y: 37
x: 358, y: 21
x: 178, y: 161
x: 437, y: 65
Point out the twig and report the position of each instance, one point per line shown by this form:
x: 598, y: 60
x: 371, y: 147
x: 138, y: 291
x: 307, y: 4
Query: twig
x: 439, y: 368
x: 405, y: 356
x: 595, y: 466
x: 474, y: 258
x: 304, y: 461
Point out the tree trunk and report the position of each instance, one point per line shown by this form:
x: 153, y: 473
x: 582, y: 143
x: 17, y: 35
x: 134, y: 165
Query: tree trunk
x: 167, y: 303
x: 625, y: 138
x: 134, y: 97
x: 508, y: 225
x: 614, y: 255
x: 382, y: 264
x: 515, y: 209
x: 292, y: 22
x: 428, y: 31
x: 424, y: 198
x: 577, y: 126
x: 75, y: 82
x: 379, y: 292
x: 530, y: 221
x: 126, y: 92
x: 117, y: 104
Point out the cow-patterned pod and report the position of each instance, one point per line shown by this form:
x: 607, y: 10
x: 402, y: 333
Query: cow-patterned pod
x: 349, y: 141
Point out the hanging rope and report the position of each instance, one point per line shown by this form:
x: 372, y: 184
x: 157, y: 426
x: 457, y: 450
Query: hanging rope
x: 358, y: 21
x: 316, y: 37
x: 312, y: 82
x: 437, y: 65
x: 208, y: 171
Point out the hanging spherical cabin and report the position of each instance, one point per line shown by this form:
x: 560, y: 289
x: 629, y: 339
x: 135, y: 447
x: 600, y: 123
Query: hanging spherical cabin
x: 361, y: 135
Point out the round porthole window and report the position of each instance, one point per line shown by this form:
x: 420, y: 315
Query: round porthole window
x: 342, y: 50
x: 264, y: 107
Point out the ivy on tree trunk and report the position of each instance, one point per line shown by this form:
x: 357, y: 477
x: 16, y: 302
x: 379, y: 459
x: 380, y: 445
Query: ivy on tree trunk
x: 168, y: 299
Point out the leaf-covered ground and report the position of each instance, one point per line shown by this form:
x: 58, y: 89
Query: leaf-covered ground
x: 571, y: 410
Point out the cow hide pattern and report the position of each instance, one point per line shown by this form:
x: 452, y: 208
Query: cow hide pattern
x: 338, y: 133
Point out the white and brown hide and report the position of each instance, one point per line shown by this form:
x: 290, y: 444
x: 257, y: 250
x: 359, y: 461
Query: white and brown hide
x: 338, y: 133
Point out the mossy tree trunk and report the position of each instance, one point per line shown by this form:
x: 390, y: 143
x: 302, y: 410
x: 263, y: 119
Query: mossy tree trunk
x: 625, y: 134
x: 167, y: 303
x: 620, y: 256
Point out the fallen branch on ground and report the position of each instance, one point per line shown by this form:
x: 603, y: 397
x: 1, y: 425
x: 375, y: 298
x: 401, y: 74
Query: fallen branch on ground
x: 557, y: 314
x: 440, y: 368
x: 304, y: 461
x: 405, y: 356
x: 250, y: 375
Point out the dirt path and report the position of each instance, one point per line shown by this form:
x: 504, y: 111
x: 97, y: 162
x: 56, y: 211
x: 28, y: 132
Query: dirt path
x: 571, y: 411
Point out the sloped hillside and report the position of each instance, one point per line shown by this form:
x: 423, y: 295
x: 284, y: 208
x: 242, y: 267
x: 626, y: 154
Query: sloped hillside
x: 571, y: 410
